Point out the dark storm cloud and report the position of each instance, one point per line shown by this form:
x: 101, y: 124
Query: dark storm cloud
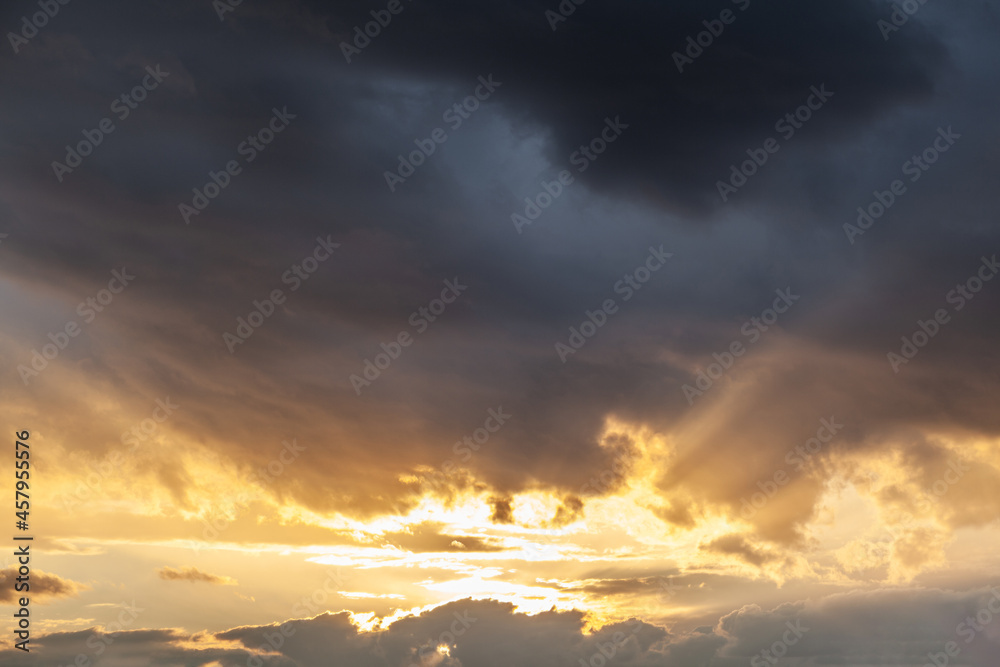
x: 323, y: 177
x: 612, y: 59
x: 683, y: 127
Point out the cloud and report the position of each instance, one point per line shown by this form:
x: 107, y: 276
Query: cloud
x: 737, y: 545
x: 324, y: 176
x: 760, y: 69
x: 909, y: 624
x: 428, y: 537
x: 194, y: 575
x: 502, y: 512
x: 569, y: 511
x: 866, y: 627
x: 43, y: 586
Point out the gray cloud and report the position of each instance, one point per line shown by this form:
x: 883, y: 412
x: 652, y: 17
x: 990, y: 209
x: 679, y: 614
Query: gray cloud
x: 892, y: 627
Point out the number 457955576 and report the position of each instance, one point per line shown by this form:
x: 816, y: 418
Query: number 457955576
x: 22, y: 473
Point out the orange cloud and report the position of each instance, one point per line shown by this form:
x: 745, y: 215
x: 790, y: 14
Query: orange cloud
x: 194, y: 575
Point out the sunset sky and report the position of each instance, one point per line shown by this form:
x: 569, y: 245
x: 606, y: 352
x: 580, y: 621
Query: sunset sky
x: 508, y: 334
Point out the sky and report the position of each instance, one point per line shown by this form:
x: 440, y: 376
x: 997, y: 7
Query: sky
x: 425, y: 333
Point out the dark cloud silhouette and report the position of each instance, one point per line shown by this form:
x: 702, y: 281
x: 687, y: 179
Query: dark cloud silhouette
x: 194, y: 575
x: 911, y: 624
x: 43, y: 586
